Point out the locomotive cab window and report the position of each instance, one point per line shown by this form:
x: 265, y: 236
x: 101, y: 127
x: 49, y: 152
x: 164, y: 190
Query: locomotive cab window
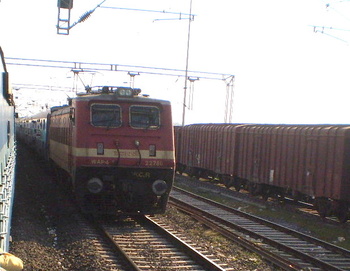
x: 106, y: 115
x: 146, y: 117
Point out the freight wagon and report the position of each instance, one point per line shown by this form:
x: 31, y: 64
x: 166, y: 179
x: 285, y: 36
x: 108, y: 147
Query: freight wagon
x: 305, y: 162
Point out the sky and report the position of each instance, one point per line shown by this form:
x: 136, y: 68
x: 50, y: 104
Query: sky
x: 285, y: 72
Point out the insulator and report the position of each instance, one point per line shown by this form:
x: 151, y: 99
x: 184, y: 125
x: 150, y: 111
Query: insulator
x: 85, y: 16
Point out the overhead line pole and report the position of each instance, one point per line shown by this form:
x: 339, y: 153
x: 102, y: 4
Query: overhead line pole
x: 187, y: 60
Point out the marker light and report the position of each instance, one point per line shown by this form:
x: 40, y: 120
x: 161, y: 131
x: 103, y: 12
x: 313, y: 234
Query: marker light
x: 100, y: 148
x: 152, y: 150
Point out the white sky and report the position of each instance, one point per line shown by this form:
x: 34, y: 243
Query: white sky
x: 285, y: 73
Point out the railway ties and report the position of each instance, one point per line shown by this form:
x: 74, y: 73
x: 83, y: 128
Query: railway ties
x: 147, y: 245
x: 286, y: 248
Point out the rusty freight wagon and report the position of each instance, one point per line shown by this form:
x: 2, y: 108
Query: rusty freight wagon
x: 302, y: 161
x: 201, y: 150
x: 309, y: 162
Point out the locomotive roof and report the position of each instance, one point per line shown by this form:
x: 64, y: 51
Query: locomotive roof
x: 116, y: 93
x: 110, y: 98
x: 110, y: 94
x: 113, y: 97
x: 40, y: 115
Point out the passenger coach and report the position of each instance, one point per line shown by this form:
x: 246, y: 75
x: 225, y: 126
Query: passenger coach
x: 7, y: 155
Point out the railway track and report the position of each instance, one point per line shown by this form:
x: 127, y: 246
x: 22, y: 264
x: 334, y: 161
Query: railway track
x: 146, y: 245
x: 143, y: 244
x: 299, y: 206
x: 284, y: 247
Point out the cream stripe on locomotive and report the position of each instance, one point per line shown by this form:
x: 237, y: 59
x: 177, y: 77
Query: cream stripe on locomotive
x: 110, y: 153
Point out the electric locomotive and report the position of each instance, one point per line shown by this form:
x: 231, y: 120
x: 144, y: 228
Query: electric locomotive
x: 7, y: 155
x: 116, y: 149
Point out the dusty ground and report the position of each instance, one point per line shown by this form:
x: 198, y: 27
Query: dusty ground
x: 46, y: 234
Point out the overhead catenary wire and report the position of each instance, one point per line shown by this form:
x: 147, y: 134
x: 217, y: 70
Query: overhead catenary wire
x: 87, y: 14
x: 328, y: 27
x: 41, y: 87
x: 91, y: 67
x: 321, y: 29
x: 152, y: 11
x: 336, y: 11
x: 332, y: 36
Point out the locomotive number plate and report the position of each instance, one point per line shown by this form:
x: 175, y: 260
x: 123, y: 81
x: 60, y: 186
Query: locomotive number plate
x: 152, y: 163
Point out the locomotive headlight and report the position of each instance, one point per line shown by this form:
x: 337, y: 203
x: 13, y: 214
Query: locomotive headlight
x: 159, y: 187
x: 128, y: 92
x: 125, y: 92
x: 95, y: 185
x: 121, y: 92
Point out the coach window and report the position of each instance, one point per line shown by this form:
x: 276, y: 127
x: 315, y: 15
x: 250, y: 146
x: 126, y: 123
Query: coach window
x: 146, y: 117
x: 72, y: 115
x: 8, y: 133
x: 106, y: 115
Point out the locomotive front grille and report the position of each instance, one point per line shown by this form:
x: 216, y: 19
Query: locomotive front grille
x: 124, y: 190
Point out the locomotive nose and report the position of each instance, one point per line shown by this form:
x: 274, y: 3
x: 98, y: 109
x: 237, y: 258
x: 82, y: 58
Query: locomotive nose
x: 159, y: 187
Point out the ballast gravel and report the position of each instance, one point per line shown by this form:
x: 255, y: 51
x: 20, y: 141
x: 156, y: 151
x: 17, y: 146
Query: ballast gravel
x: 47, y: 236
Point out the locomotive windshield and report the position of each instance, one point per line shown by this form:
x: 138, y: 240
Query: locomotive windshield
x: 105, y: 115
x: 146, y: 117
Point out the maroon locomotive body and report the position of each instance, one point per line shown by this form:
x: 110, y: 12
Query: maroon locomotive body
x: 310, y: 162
x: 115, y: 149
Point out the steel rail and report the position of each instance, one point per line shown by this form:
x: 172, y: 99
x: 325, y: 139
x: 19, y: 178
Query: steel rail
x: 277, y: 260
x: 258, y: 231
x: 195, y: 254
x: 146, y: 243
x: 118, y: 249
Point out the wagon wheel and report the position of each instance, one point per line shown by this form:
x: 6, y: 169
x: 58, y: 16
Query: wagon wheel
x: 252, y: 188
x: 322, y: 212
x: 281, y: 197
x: 342, y: 216
x: 237, y: 186
x: 296, y: 196
x: 265, y: 196
x: 227, y: 181
x: 342, y: 212
x: 321, y: 207
x: 228, y: 184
